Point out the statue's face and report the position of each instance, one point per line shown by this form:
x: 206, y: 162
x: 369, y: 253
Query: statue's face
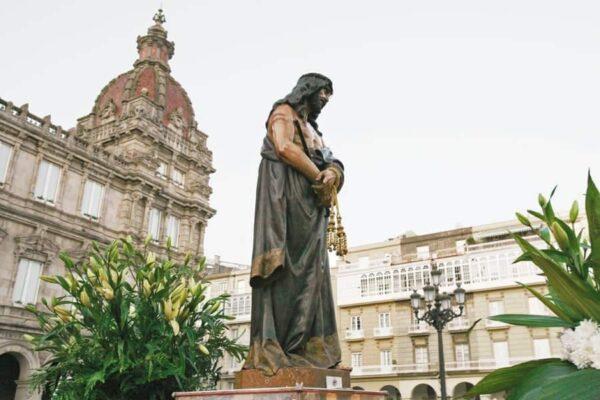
x: 317, y: 101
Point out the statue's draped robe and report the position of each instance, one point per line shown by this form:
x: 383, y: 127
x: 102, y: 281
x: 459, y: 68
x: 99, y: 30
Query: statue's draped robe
x: 293, y: 314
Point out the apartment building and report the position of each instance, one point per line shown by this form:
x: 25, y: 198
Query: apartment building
x: 380, y: 339
x: 136, y: 165
x: 389, y: 350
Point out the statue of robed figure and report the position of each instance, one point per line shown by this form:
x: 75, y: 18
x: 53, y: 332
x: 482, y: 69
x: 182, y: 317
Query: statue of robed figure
x: 293, y: 314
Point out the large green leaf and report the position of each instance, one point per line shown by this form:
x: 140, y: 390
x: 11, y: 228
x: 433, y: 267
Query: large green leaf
x: 580, y: 385
x: 537, y: 321
x: 506, y: 378
x: 530, y: 387
x: 592, y: 210
x: 555, y: 308
x: 572, y: 290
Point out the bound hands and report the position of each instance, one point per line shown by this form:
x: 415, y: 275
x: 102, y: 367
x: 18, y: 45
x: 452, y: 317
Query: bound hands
x: 327, y: 182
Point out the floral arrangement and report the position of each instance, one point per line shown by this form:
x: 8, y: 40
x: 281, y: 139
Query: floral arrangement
x: 571, y: 265
x: 130, y: 326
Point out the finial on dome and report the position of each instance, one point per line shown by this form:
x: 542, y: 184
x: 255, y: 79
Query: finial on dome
x: 159, y: 17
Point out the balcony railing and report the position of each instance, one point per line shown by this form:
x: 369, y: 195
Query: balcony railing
x: 494, y: 324
x: 355, y: 334
x: 381, y: 332
x: 459, y: 324
x: 418, y: 328
x: 479, y: 365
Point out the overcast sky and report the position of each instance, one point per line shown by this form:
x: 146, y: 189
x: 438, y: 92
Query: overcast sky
x: 445, y: 113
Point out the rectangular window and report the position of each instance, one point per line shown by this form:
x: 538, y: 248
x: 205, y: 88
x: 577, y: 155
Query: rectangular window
x: 92, y: 199
x: 154, y: 223
x: 495, y: 307
x: 423, y: 252
x: 47, y: 182
x: 461, y: 354
x: 173, y: 230
x: 501, y: 354
x: 384, y: 320
x: 536, y: 307
x: 28, y: 281
x: 356, y: 359
x: 421, y: 357
x: 541, y: 348
x: 177, y: 177
x: 355, y: 323
x: 385, y: 357
x: 5, y: 154
x: 161, y: 170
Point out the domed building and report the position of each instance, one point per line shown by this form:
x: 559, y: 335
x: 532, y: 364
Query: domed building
x: 136, y: 165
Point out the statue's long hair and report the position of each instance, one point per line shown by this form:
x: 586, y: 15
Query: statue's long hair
x: 307, y: 85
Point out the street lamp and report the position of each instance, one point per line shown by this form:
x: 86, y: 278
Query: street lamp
x: 437, y: 312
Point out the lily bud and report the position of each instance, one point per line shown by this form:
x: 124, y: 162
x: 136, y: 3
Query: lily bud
x: 561, y: 236
x: 150, y: 258
x: 49, y: 279
x: 28, y: 338
x: 94, y: 263
x: 542, y: 200
x: 168, y: 309
x: 85, y: 299
x: 103, y: 276
x: 175, y: 326
x: 203, y: 349
x: 574, y: 212
x: 114, y: 276
x: 107, y: 291
x: 523, y: 219
x: 545, y: 234
x: 90, y: 275
x: 147, y: 289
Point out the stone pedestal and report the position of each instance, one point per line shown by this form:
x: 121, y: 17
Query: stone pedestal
x: 292, y: 377
x: 283, y: 393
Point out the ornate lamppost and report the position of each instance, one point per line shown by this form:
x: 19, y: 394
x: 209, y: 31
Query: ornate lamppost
x: 437, y: 312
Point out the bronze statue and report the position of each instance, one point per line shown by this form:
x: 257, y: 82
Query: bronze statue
x: 293, y: 314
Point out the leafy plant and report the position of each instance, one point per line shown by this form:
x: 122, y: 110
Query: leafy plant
x: 131, y: 326
x: 571, y: 266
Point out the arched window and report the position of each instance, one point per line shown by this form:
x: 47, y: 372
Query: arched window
x: 410, y: 276
x: 380, y: 288
x: 371, y: 284
x: 364, y: 286
x: 404, y: 280
x: 387, y: 282
x: 419, y: 276
x: 396, y: 281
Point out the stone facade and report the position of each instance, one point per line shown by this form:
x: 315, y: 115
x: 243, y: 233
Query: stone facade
x: 136, y: 165
x: 386, y: 349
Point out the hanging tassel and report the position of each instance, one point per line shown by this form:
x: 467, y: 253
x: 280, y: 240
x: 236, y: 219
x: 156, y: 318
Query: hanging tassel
x: 336, y: 236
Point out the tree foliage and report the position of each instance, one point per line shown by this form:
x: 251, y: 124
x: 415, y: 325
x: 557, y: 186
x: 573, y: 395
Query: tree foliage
x: 131, y: 326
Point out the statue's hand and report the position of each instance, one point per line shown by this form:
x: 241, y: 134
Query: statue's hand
x: 328, y: 177
x: 324, y: 193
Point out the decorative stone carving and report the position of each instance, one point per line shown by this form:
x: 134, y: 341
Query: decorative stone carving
x: 3, y: 234
x: 37, y: 247
x: 147, y: 159
x: 176, y: 120
x: 109, y: 110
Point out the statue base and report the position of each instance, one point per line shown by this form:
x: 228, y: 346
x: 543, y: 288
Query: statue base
x: 282, y: 393
x: 292, y: 377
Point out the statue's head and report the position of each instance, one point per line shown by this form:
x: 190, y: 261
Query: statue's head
x: 312, y: 91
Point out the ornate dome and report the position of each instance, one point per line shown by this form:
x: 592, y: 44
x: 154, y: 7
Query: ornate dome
x: 150, y: 77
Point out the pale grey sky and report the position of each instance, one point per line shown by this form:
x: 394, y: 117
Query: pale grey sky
x: 444, y: 112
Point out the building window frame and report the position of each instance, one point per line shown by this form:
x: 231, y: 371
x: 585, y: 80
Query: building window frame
x: 47, y: 191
